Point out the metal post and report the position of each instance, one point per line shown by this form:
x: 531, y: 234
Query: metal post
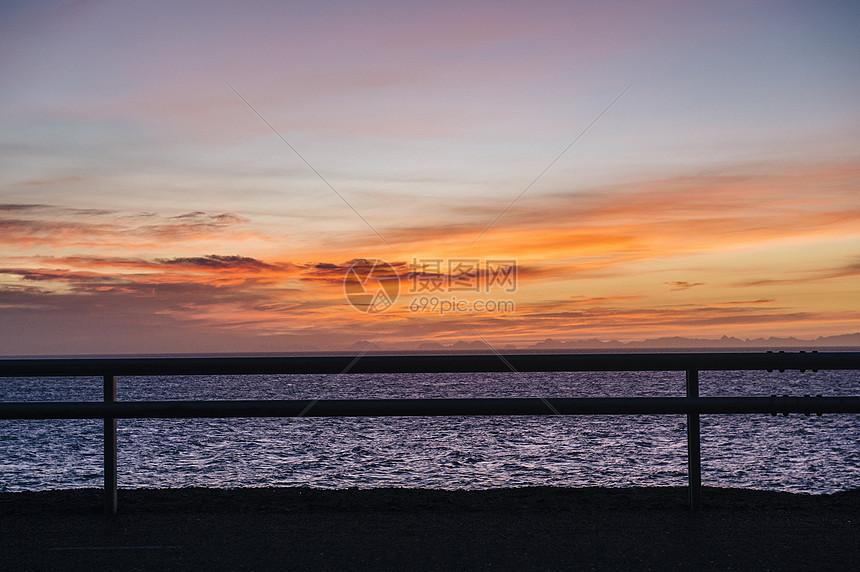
x: 694, y: 453
x: 110, y: 448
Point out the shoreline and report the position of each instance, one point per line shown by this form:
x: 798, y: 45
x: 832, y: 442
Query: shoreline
x: 522, y: 528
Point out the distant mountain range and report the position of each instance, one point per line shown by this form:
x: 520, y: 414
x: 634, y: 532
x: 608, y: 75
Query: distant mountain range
x: 675, y: 342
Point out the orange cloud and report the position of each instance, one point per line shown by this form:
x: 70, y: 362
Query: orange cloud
x: 655, y: 218
x: 845, y: 271
x: 681, y: 285
x: 606, y: 243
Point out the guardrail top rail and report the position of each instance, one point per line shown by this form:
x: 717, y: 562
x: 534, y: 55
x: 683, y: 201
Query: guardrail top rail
x: 689, y: 362
x: 429, y: 363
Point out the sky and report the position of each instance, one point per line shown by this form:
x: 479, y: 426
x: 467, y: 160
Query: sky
x: 280, y: 176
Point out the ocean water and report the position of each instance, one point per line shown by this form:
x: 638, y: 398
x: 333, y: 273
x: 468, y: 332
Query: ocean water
x: 814, y: 454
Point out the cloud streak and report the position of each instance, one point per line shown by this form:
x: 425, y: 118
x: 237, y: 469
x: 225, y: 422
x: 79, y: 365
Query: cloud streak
x: 93, y: 258
x: 29, y: 226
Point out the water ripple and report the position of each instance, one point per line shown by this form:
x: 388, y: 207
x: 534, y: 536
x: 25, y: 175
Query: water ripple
x: 794, y: 453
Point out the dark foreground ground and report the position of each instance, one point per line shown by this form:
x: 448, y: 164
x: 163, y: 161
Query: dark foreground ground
x: 519, y: 529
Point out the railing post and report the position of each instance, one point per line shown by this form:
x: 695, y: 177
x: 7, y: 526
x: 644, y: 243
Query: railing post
x: 110, y: 448
x: 694, y: 453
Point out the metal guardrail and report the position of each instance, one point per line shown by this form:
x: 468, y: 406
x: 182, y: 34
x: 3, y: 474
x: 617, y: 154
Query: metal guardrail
x: 692, y: 405
x: 430, y: 363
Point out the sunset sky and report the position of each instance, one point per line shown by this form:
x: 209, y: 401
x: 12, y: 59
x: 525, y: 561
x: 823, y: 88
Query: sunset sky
x: 200, y: 178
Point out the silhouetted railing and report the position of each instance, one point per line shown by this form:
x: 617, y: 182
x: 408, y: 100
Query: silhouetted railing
x: 692, y: 405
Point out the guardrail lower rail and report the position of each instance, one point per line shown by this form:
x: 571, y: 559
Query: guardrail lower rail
x: 692, y: 405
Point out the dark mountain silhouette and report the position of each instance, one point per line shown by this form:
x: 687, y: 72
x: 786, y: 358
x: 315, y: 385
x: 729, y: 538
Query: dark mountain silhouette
x: 672, y: 342
x: 844, y: 340
x: 363, y: 345
x: 461, y: 345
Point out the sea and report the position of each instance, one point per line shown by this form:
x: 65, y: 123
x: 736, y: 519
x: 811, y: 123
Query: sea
x: 794, y: 453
